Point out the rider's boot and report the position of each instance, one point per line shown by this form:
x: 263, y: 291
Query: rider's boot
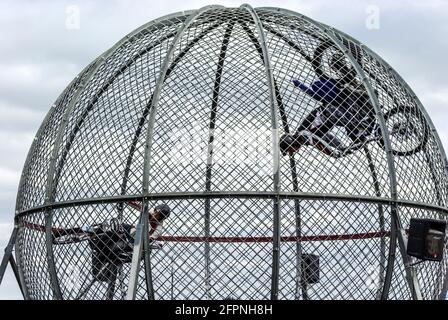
x: 290, y: 143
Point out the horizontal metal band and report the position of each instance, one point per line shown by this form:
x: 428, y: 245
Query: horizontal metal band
x: 236, y: 194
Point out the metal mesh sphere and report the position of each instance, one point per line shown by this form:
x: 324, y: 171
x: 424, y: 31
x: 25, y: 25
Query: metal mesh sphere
x: 195, y: 110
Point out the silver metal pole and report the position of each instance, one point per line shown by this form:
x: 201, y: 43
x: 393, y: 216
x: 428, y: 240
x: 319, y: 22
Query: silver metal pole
x: 381, y: 221
x: 425, y: 114
x: 410, y: 272
x: 148, y: 146
x: 284, y: 119
x: 49, y: 189
x: 16, y: 274
x: 136, y: 257
x: 241, y: 194
x: 276, y: 153
x: 208, y: 173
x: 401, y: 235
x: 8, y: 253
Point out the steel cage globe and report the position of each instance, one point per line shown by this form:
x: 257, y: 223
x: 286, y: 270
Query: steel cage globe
x: 191, y: 110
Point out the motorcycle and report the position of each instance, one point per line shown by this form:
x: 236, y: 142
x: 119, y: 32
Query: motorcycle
x: 406, y: 126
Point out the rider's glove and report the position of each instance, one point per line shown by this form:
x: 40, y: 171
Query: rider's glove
x: 88, y: 229
x: 153, y: 244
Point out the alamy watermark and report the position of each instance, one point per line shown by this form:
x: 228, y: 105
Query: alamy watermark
x: 373, y: 18
x: 249, y: 146
x: 72, y: 17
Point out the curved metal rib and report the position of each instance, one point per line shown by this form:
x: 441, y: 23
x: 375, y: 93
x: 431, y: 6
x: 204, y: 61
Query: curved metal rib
x: 276, y: 153
x: 92, y: 103
x: 147, y: 108
x: 147, y: 157
x: 138, y: 132
x: 396, y: 225
x: 53, y: 173
x: 49, y: 191
x: 411, y: 276
x: 428, y: 121
x: 292, y: 164
x: 381, y: 221
x: 208, y: 173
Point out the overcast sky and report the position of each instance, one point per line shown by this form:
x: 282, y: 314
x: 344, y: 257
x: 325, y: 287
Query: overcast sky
x: 42, y: 50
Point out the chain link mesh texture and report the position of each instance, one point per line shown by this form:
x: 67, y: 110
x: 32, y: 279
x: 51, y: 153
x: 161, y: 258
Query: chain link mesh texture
x: 214, y: 88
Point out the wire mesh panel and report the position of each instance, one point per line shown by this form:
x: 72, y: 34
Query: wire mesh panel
x: 232, y: 153
x: 349, y: 239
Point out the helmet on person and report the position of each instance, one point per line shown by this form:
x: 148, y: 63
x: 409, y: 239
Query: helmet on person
x: 338, y: 62
x: 163, y: 209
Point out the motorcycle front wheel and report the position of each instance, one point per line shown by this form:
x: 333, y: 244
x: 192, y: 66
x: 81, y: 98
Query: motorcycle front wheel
x: 408, y: 130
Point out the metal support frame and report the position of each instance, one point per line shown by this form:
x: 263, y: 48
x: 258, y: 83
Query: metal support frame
x: 148, y: 150
x: 396, y: 221
x: 141, y: 246
x: 146, y: 110
x: 293, y: 45
x: 276, y: 153
x: 209, y: 166
x: 136, y: 137
x: 50, y: 189
x: 9, y: 258
x: 284, y: 119
x: 242, y: 194
x: 55, y: 170
x: 426, y: 116
x: 410, y: 272
x: 381, y: 221
x: 136, y: 257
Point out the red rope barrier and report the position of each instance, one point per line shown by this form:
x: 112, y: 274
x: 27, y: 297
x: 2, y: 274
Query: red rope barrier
x: 332, y: 237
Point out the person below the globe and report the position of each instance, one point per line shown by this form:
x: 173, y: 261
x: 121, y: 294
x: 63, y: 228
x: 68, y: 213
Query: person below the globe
x: 344, y: 102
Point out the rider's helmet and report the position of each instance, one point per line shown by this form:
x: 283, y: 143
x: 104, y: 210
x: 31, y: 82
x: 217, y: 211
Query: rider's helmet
x: 337, y: 62
x: 163, y: 209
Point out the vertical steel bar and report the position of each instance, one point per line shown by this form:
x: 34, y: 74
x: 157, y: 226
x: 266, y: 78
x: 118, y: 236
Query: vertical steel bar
x: 136, y: 257
x: 147, y: 257
x: 396, y: 225
x: 208, y: 173
x: 323, y: 29
x: 16, y: 274
x: 18, y: 257
x: 145, y: 112
x: 276, y: 152
x: 440, y: 295
x: 52, y: 178
x: 410, y: 271
x: 148, y: 149
x: 8, y: 253
x: 50, y: 191
x: 381, y: 220
x: 443, y: 295
x: 300, y: 285
x: 136, y: 137
x: 22, y: 179
x: 172, y: 275
x: 427, y: 118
